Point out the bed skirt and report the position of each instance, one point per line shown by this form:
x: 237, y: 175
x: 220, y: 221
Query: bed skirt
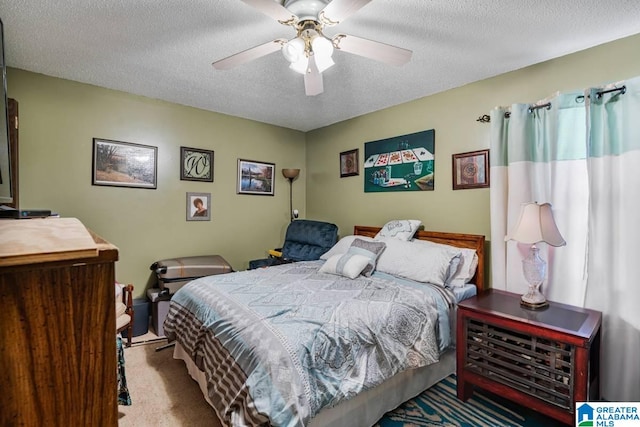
x: 368, y: 407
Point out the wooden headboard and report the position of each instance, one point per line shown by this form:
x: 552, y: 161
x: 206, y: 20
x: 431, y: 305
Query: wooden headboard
x: 471, y: 241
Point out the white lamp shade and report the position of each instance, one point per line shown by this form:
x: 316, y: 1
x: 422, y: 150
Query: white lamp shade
x: 301, y: 65
x: 322, y: 51
x: 536, y: 224
x: 323, y: 62
x: 293, y: 50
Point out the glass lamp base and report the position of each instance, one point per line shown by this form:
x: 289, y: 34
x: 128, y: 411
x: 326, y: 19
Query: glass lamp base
x: 534, y: 306
x: 533, y: 299
x: 534, y: 269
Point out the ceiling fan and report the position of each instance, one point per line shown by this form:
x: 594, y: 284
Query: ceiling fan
x: 310, y: 52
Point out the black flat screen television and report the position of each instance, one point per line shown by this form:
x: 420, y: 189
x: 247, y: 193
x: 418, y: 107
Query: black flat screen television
x: 6, y: 187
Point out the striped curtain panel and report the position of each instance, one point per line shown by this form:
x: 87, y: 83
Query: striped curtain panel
x: 539, y: 155
x: 581, y: 153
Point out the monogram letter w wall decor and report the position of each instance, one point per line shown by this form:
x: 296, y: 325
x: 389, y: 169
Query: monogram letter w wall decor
x: 196, y: 164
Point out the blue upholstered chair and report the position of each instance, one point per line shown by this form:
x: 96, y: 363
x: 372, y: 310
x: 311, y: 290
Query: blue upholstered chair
x: 305, y: 240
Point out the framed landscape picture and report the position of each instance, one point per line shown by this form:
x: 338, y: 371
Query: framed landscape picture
x: 124, y: 164
x: 471, y: 170
x: 255, y: 177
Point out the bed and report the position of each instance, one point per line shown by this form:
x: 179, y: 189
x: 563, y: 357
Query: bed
x: 299, y: 344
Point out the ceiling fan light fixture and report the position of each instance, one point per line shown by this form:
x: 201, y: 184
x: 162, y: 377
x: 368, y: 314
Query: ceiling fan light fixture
x: 323, y: 62
x: 322, y: 46
x: 293, y: 50
x: 322, y: 51
x: 301, y: 65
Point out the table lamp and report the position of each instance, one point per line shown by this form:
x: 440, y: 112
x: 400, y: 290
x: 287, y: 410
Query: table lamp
x: 535, y: 225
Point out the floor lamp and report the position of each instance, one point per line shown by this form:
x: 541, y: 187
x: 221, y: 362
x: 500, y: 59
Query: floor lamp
x: 291, y: 174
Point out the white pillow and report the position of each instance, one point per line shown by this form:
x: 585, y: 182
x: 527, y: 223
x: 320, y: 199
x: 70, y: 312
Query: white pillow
x: 343, y: 245
x: 422, y: 263
x: 402, y: 229
x: 467, y: 268
x: 348, y: 265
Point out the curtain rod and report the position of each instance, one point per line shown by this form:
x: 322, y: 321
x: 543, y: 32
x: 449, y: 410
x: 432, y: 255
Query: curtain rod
x: 485, y: 118
x: 622, y: 90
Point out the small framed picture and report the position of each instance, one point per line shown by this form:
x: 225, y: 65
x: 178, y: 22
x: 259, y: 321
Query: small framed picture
x: 198, y: 206
x: 124, y: 164
x: 255, y: 177
x: 196, y: 164
x: 471, y: 170
x: 349, y: 163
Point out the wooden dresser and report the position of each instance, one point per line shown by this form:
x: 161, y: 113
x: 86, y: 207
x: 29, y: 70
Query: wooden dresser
x: 57, y: 325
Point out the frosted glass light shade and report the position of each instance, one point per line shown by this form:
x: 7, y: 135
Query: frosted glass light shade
x: 301, y: 65
x: 293, y: 50
x: 322, y: 50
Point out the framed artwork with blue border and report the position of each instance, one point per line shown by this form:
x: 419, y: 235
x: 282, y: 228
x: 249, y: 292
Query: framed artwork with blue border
x: 401, y: 163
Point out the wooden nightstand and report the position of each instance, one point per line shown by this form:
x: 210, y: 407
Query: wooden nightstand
x: 543, y: 359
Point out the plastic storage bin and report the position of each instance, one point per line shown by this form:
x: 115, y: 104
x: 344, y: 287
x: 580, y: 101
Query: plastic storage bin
x: 159, y: 309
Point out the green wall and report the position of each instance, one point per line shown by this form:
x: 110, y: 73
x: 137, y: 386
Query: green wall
x: 453, y: 115
x: 58, y: 120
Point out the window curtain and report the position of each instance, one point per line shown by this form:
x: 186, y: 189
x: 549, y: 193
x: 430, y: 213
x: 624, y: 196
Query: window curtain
x: 576, y: 151
x: 614, y: 234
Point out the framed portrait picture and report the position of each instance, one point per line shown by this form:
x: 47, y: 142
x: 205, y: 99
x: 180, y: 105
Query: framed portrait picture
x: 124, y: 164
x: 196, y: 164
x: 255, y: 177
x: 349, y: 163
x: 471, y: 170
x: 198, y: 206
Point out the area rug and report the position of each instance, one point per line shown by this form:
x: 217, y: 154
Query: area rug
x: 438, y: 406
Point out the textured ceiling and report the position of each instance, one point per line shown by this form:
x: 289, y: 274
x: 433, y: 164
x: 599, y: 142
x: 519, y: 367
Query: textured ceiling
x: 164, y: 49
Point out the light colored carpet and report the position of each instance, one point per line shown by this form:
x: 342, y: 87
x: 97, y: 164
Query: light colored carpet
x: 162, y: 392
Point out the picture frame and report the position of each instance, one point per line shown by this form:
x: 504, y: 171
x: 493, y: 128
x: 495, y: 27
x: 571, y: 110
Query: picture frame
x: 198, y: 206
x: 196, y: 164
x: 349, y: 163
x: 257, y: 178
x: 470, y: 170
x: 124, y: 164
x: 400, y: 163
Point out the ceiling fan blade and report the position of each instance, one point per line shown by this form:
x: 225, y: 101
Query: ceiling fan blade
x: 339, y: 10
x: 249, y: 55
x: 382, y: 52
x: 313, y: 79
x: 274, y: 10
